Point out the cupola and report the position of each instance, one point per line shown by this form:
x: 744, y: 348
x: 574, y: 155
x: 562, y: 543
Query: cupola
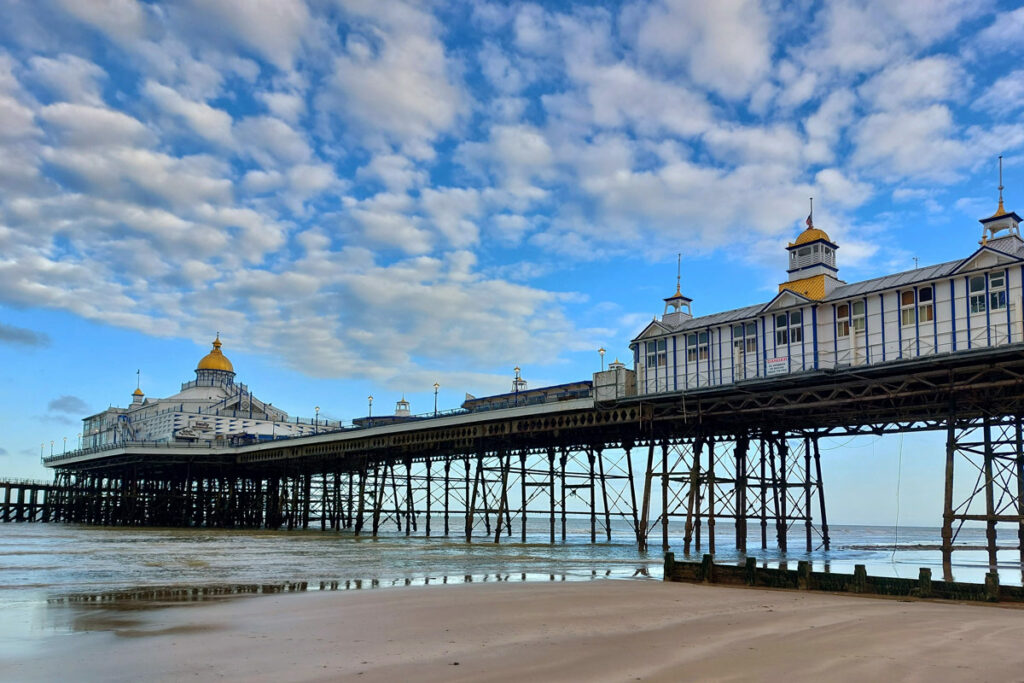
x: 214, y: 368
x: 812, y: 262
x: 677, y: 306
x: 137, y: 396
x: 402, y: 408
x: 1002, y: 219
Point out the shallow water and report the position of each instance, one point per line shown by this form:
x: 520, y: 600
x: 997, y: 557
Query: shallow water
x: 54, y: 577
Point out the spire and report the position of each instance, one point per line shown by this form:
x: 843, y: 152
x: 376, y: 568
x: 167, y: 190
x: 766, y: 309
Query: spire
x: 1002, y: 219
x: 678, y: 302
x: 1000, y: 211
x: 679, y: 273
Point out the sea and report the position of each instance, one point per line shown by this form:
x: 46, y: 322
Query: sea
x: 51, y: 575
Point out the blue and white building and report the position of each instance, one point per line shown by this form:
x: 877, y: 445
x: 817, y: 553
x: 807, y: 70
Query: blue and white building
x: 818, y: 321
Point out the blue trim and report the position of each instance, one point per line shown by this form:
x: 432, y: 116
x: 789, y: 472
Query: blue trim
x: 881, y: 321
x: 952, y: 309
x: 867, y: 335
x: 813, y: 265
x: 988, y: 314
x: 655, y: 342
x: 967, y: 298
x: 917, y: 323
x: 1006, y: 288
x: 899, y: 323
x: 803, y: 352
x: 720, y: 380
x: 789, y: 345
x: 686, y: 361
x: 711, y: 360
x: 764, y: 346
x: 835, y: 337
x: 935, y: 321
x: 732, y: 345
x: 675, y: 365
x: 814, y: 333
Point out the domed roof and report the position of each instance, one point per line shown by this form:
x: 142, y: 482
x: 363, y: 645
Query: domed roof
x: 215, y: 360
x: 811, y: 234
x: 137, y: 392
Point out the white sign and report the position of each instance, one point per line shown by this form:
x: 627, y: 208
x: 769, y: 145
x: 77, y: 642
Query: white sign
x: 777, y: 366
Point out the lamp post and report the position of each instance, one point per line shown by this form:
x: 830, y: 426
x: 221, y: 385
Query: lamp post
x: 65, y: 444
x: 41, y: 447
x: 316, y: 429
x: 369, y: 410
x: 436, y: 387
x: 602, y: 352
x: 51, y: 448
x: 515, y: 383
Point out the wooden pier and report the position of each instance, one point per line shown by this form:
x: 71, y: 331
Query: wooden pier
x: 26, y: 500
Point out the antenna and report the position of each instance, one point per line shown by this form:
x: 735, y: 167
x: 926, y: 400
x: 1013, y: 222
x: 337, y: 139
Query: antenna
x: 915, y: 263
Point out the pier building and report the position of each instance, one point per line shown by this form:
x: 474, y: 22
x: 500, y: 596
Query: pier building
x: 213, y: 408
x: 817, y: 321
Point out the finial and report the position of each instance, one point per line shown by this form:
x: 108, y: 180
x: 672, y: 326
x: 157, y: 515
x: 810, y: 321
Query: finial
x: 138, y: 378
x: 679, y: 272
x: 810, y: 216
x: 1001, y: 209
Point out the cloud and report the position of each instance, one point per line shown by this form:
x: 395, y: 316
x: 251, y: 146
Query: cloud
x: 394, y: 81
x: 915, y: 83
x: 20, y: 336
x: 69, y: 78
x: 203, y: 120
x: 121, y: 20
x: 71, y: 405
x: 1004, y: 97
x: 725, y: 45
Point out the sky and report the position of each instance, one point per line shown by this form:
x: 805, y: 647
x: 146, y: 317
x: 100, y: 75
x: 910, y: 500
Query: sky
x: 366, y: 198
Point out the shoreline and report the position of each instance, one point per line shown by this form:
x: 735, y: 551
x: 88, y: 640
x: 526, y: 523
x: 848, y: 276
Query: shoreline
x: 595, y: 630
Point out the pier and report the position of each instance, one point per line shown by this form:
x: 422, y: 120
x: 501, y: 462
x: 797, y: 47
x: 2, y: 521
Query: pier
x: 671, y: 464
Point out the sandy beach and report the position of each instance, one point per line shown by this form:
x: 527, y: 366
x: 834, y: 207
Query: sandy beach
x: 586, y: 631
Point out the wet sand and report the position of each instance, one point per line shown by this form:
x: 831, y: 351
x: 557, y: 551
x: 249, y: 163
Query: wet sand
x: 587, y: 631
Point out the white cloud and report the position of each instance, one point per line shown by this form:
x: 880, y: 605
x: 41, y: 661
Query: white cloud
x: 916, y: 83
x: 272, y: 142
x: 396, y: 172
x: 121, y: 20
x: 1005, y: 96
x: 205, y: 121
x: 726, y: 45
x: 272, y: 29
x: 919, y: 143
x: 80, y: 125
x: 70, y: 78
x: 395, y: 81
x: 286, y: 106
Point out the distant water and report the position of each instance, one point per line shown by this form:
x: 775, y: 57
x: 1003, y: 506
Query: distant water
x: 47, y: 569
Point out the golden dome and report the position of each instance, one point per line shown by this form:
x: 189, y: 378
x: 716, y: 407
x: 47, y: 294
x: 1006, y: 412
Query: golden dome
x: 811, y: 234
x: 137, y: 392
x: 215, y: 360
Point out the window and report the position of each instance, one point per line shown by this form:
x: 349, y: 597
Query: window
x: 907, y: 308
x: 691, y: 348
x: 857, y: 318
x: 657, y: 353
x: 997, y: 291
x: 843, y: 320
x: 702, y: 346
x: 796, y: 331
x: 751, y: 337
x: 925, y: 305
x: 977, y: 291
x: 781, y: 330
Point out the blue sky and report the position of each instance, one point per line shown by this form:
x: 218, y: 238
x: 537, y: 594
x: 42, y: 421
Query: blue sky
x: 369, y: 197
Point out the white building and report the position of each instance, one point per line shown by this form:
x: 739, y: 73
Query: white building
x: 210, y: 408
x: 817, y: 321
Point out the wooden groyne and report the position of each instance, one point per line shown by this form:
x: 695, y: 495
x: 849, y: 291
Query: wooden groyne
x: 804, y: 578
x: 26, y: 500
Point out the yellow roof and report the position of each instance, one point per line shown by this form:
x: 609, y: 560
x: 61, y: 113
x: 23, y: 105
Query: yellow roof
x: 811, y: 234
x: 137, y: 392
x: 811, y: 287
x: 215, y: 360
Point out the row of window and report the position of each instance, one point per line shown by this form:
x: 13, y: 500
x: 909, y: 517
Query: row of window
x: 915, y: 308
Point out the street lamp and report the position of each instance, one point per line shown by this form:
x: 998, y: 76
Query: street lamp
x: 51, y: 448
x: 41, y: 447
x: 602, y: 352
x: 316, y: 429
x: 369, y: 411
x: 436, y: 387
x: 515, y: 384
x: 65, y: 444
